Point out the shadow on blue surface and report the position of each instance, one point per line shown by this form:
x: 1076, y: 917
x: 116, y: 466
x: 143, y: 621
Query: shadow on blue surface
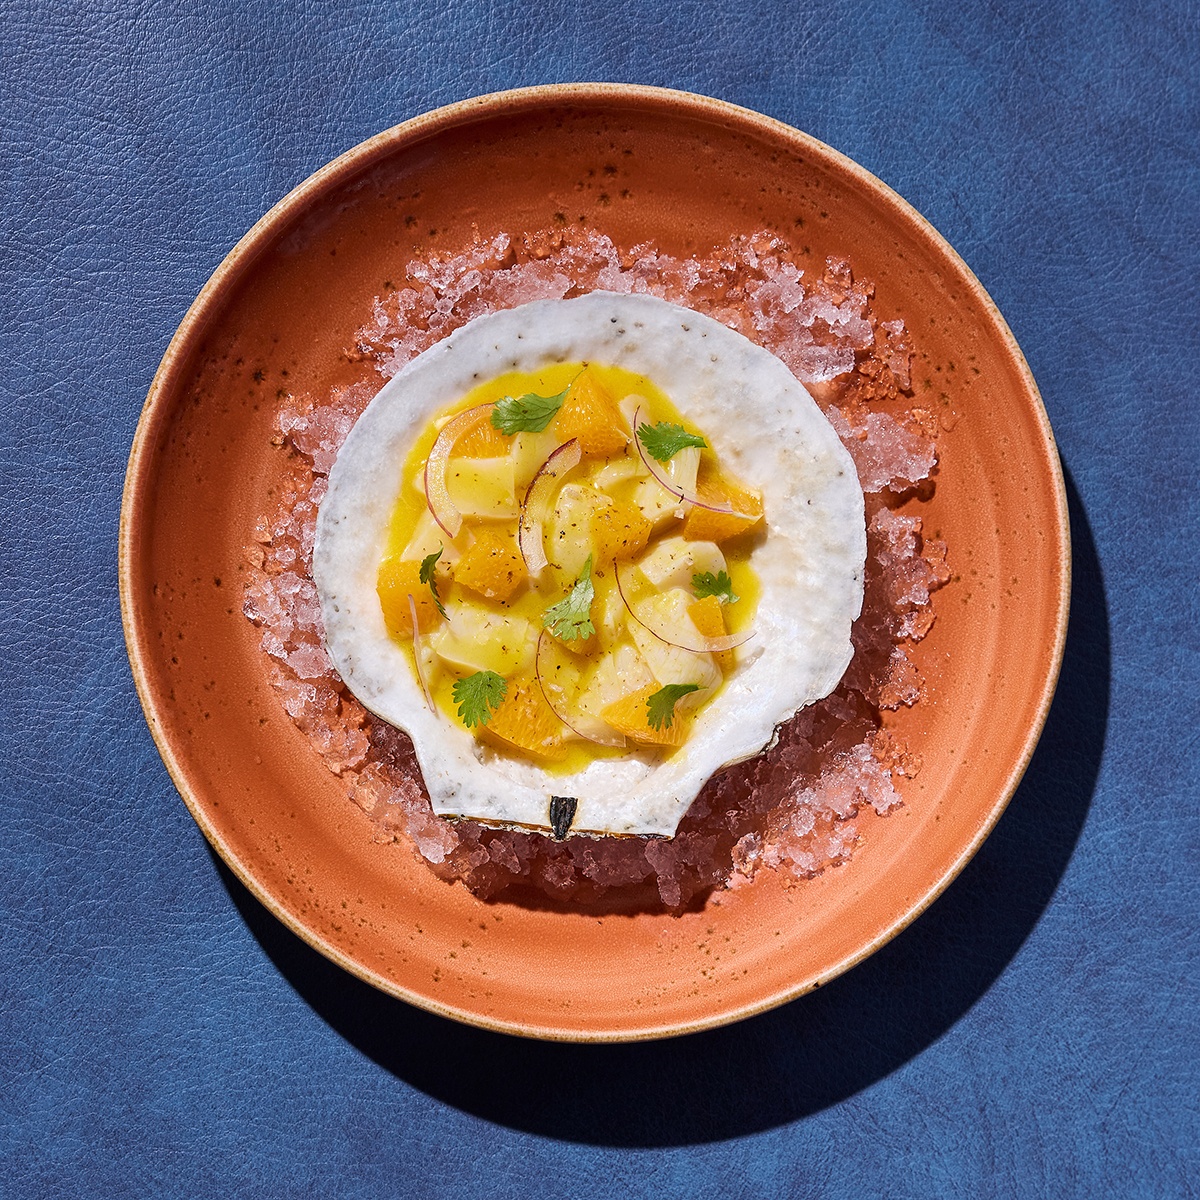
x: 796, y: 1060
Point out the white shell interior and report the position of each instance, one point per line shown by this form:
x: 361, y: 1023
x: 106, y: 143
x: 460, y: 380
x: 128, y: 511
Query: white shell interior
x: 763, y: 425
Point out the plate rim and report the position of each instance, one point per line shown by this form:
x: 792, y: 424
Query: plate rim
x: 237, y: 262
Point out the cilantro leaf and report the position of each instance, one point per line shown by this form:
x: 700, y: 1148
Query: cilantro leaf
x: 664, y: 440
x: 705, y: 583
x: 478, y: 695
x: 661, y: 706
x: 427, y: 576
x: 571, y: 617
x: 526, y: 414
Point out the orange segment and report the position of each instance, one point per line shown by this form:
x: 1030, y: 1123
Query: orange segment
x: 590, y: 414
x: 397, y: 580
x: 491, y: 565
x: 525, y: 722
x: 483, y: 440
x: 704, y: 525
x: 631, y: 716
x: 619, y: 531
x: 581, y: 647
x: 707, y: 617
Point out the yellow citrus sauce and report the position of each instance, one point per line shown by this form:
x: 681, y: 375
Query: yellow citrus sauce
x: 609, y: 507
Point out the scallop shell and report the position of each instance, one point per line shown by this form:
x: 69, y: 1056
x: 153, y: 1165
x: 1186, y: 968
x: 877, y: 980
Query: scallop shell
x: 761, y: 422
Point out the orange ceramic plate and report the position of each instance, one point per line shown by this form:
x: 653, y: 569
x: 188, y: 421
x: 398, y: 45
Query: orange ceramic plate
x: 639, y: 164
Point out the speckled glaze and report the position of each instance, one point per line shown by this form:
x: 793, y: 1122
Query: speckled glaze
x: 276, y: 317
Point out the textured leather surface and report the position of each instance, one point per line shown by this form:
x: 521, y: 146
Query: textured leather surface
x: 1034, y: 1034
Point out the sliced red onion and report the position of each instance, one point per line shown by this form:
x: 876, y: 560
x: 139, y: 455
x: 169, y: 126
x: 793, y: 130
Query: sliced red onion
x: 702, y: 645
x: 535, y: 507
x: 611, y: 738
x: 412, y: 608
x: 437, y: 494
x: 655, y: 469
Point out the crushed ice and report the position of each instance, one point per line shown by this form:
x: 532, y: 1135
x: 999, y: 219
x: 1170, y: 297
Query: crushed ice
x: 794, y: 807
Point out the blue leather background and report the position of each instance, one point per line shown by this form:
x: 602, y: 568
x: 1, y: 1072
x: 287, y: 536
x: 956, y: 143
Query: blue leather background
x: 1034, y: 1034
